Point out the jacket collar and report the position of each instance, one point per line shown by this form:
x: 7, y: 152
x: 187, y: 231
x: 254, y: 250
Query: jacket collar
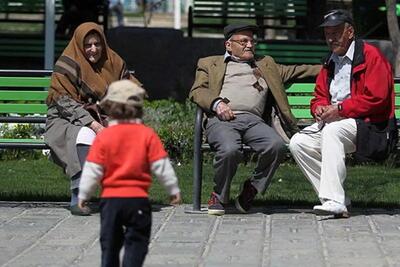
x: 358, y: 58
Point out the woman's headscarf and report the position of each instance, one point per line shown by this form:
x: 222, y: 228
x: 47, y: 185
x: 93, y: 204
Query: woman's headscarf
x: 83, y: 81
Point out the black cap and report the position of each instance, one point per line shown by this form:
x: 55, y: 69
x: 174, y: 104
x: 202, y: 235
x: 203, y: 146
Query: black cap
x: 233, y: 28
x: 337, y: 17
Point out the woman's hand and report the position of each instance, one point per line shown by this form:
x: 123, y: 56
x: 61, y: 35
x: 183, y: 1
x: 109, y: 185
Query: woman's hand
x: 96, y: 127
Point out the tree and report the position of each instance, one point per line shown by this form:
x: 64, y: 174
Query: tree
x: 394, y: 33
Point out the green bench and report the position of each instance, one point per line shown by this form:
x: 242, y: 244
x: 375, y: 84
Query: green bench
x: 294, y: 52
x: 23, y: 26
x: 267, y: 14
x: 28, y: 47
x: 299, y: 96
x: 33, y: 11
x: 22, y: 100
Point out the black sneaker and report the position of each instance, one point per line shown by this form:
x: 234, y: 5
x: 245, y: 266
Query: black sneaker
x: 244, y: 201
x: 215, y: 206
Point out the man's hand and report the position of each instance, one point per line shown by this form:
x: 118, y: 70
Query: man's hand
x: 330, y: 114
x: 318, y: 112
x: 96, y: 127
x: 224, y: 112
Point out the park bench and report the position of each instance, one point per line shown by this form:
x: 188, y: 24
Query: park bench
x: 33, y: 11
x: 299, y: 96
x: 22, y: 100
x: 267, y: 14
x: 26, y: 18
x: 15, y: 47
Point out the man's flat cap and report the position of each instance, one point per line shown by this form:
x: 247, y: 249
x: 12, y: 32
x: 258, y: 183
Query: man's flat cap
x: 229, y: 30
x: 337, y: 17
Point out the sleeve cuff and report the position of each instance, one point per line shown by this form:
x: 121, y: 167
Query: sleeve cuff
x: 215, y: 104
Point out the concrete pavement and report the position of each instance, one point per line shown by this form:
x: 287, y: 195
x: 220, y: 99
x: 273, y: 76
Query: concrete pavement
x: 45, y: 234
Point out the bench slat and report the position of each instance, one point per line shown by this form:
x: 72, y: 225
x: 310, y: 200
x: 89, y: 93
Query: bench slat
x: 23, y: 95
x: 297, y: 88
x: 21, y: 141
x: 23, y: 108
x: 301, y: 113
x: 24, y: 81
x: 300, y: 101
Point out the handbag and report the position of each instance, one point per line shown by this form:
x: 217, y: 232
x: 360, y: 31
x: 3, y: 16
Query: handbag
x: 375, y: 141
x: 95, y: 111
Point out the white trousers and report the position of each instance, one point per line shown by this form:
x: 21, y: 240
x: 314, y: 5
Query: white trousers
x: 321, y: 156
x: 85, y: 136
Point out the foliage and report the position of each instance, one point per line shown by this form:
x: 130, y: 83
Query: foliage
x: 21, y: 130
x: 173, y: 121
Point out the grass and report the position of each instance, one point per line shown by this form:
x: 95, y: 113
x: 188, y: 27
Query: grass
x: 368, y: 186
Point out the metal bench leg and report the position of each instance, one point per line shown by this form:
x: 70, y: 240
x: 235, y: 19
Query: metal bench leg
x: 197, y: 178
x: 197, y: 163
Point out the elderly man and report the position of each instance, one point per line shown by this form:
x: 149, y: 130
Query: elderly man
x: 354, y: 93
x: 241, y: 94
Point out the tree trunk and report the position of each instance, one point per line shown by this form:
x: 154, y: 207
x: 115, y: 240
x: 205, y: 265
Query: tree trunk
x: 394, y: 33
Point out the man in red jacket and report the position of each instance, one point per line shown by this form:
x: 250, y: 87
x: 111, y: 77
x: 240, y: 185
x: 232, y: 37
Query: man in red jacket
x: 355, y: 86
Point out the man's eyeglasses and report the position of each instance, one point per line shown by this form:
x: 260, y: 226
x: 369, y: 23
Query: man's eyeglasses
x: 244, y: 42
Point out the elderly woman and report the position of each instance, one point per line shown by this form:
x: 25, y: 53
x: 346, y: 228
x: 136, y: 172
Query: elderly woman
x: 80, y: 79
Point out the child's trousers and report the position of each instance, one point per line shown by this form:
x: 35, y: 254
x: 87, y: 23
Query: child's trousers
x: 124, y: 222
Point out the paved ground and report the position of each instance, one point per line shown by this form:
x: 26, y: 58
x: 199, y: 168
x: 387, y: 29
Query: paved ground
x: 47, y: 235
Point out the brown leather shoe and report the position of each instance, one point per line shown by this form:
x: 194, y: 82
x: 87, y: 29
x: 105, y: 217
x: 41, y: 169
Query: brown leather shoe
x: 245, y: 200
x: 75, y: 210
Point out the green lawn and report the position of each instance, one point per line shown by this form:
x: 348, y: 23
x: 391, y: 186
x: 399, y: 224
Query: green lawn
x: 372, y: 186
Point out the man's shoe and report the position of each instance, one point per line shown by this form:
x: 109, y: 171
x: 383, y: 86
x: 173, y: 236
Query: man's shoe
x: 331, y: 207
x: 245, y: 200
x: 215, y: 206
x: 75, y: 210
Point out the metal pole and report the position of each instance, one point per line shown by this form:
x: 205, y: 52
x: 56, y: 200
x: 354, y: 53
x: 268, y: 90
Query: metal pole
x: 177, y: 14
x: 198, y: 160
x: 49, y: 35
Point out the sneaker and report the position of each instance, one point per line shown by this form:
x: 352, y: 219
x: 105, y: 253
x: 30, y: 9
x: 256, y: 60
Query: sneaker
x: 75, y: 210
x: 331, y: 207
x: 215, y: 206
x: 245, y: 200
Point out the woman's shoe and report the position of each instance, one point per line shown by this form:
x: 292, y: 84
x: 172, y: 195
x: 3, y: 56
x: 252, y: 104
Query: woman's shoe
x: 75, y: 210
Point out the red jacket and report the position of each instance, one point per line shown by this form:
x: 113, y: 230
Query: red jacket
x: 372, y: 86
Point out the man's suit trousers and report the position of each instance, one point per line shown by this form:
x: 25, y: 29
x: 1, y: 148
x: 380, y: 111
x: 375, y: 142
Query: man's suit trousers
x: 226, y: 137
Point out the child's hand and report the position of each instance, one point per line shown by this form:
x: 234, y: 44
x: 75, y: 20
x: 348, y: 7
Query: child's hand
x: 82, y: 204
x: 175, y: 199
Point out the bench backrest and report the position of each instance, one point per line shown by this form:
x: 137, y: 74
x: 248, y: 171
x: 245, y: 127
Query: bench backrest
x: 217, y: 14
x: 8, y: 7
x: 293, y: 53
x: 33, y: 11
x: 23, y: 95
x: 28, y: 48
x: 300, y: 94
x: 31, y: 100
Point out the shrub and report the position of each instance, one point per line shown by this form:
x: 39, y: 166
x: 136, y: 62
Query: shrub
x: 174, y: 123
x: 20, y: 130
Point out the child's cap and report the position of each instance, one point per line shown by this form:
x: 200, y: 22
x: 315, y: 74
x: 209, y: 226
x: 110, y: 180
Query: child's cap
x: 125, y: 92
